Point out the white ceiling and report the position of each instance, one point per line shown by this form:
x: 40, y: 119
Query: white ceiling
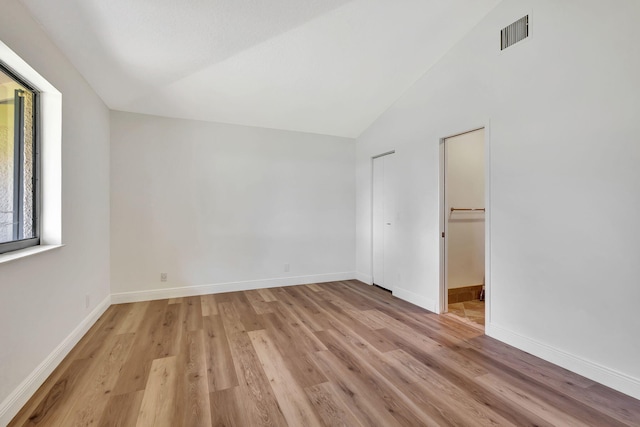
x: 322, y: 66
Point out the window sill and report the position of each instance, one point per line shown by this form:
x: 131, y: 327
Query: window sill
x: 10, y: 256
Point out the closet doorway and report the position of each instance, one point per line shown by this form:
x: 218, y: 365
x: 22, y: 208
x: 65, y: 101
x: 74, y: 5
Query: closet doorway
x: 383, y: 220
x: 463, y: 226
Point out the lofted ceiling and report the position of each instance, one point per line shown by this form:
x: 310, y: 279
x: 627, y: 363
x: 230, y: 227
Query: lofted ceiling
x: 321, y: 66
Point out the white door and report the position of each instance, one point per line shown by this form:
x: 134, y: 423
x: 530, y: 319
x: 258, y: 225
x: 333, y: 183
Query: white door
x: 384, y: 222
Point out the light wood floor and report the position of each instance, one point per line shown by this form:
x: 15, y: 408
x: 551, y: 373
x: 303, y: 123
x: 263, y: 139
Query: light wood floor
x: 471, y: 311
x: 339, y: 353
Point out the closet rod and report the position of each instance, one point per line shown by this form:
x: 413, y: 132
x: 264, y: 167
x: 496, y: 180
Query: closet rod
x: 467, y: 209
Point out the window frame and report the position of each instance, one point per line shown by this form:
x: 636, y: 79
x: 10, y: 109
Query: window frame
x: 15, y: 245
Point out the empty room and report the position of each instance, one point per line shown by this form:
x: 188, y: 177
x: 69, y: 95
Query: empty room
x: 319, y: 213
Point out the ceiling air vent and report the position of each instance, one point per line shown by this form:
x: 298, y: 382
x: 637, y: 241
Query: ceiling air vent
x: 514, y: 33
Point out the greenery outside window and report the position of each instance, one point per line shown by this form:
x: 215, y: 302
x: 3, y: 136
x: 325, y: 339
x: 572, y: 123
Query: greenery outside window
x: 19, y: 195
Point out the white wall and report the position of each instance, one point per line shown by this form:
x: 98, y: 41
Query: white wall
x: 213, y: 204
x: 465, y: 173
x: 562, y: 115
x: 42, y: 297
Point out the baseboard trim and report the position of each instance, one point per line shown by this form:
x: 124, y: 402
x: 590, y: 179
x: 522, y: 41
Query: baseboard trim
x: 594, y: 371
x: 189, y: 291
x: 16, y: 400
x: 364, y: 278
x: 416, y: 299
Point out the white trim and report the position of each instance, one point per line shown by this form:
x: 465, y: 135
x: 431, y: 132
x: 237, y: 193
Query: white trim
x: 443, y: 298
x: 51, y: 168
x: 364, y: 278
x: 618, y: 381
x: 10, y: 256
x: 487, y: 222
x: 187, y: 291
x: 416, y: 299
x: 21, y: 394
x: 24, y: 70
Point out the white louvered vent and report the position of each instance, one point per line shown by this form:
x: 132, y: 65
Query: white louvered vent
x: 514, y: 33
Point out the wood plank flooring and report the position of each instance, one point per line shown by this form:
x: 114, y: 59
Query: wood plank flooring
x: 334, y: 354
x: 471, y: 312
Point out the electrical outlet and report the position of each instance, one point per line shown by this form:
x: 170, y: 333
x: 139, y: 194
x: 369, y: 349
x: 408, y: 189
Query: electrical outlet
x: 286, y: 267
x: 87, y: 301
x: 163, y: 277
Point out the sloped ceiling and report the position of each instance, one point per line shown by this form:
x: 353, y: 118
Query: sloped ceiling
x: 322, y: 66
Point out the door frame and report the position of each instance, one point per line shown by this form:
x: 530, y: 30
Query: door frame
x: 444, y: 227
x: 386, y: 153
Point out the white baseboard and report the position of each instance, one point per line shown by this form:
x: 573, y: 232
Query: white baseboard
x: 188, y: 291
x: 18, y: 397
x: 416, y: 299
x: 609, y: 377
x: 364, y: 278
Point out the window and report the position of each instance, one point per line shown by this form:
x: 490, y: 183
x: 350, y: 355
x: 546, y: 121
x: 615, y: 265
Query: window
x: 19, y: 204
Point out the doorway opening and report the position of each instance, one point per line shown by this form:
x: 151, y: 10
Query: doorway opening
x: 463, y: 226
x: 383, y: 221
